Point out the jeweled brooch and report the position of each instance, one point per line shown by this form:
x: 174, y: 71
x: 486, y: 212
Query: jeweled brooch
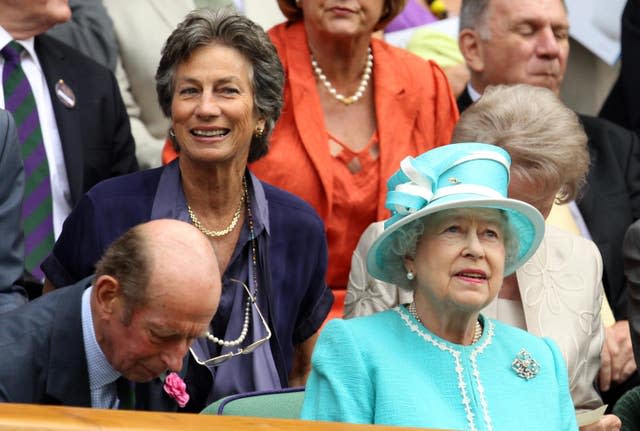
x: 525, y: 366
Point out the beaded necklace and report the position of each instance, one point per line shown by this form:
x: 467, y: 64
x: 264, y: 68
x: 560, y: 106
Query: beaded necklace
x: 364, y: 81
x: 477, y: 332
x: 254, y: 262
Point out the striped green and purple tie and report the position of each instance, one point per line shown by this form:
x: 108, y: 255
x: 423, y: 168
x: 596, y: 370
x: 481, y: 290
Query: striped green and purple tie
x: 37, y: 212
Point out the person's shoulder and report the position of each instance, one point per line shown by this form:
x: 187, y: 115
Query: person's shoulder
x: 286, y: 204
x: 402, y: 68
x: 278, y: 30
x: 286, y: 34
x: 504, y: 331
x: 517, y: 339
x: 366, y: 331
x: 411, y: 60
x: 604, y: 133
x: 137, y: 183
x: 570, y: 240
x: 47, y: 45
x: 371, y: 322
x: 281, y: 30
x: 37, y: 317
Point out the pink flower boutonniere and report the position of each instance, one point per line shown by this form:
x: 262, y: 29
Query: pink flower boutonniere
x: 176, y: 388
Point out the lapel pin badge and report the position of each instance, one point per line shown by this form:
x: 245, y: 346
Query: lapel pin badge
x: 525, y: 366
x: 65, y: 94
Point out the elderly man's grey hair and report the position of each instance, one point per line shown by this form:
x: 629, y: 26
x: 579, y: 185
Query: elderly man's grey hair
x: 474, y: 14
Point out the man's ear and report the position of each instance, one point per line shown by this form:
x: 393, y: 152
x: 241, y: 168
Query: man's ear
x: 107, y: 294
x: 471, y: 46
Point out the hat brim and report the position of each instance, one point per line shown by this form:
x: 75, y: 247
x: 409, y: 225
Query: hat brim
x: 527, y: 223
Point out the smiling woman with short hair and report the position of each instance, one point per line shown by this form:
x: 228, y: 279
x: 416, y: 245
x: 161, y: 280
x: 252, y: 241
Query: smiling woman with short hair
x: 220, y: 83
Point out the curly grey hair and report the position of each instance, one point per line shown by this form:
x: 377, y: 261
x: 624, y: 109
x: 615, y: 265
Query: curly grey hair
x: 203, y: 27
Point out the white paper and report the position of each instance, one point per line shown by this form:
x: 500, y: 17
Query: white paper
x: 591, y: 416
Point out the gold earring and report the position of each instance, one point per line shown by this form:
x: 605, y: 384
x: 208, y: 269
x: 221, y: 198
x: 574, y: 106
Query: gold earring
x: 259, y: 132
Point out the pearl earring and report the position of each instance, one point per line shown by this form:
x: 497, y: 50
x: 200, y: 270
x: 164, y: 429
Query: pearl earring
x: 410, y: 275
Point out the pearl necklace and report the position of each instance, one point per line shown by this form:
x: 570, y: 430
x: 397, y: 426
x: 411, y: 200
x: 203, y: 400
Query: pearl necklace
x: 243, y: 333
x: 247, y: 305
x: 217, y: 233
x: 364, y: 81
x: 477, y: 332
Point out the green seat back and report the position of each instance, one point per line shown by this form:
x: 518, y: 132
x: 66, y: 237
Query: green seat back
x: 280, y: 404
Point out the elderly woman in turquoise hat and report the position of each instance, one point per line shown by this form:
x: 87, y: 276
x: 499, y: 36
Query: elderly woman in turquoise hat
x: 437, y: 362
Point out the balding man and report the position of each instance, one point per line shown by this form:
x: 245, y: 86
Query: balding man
x: 155, y: 289
x: 527, y: 41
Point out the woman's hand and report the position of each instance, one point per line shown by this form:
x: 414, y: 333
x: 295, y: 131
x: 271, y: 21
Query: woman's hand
x: 606, y: 423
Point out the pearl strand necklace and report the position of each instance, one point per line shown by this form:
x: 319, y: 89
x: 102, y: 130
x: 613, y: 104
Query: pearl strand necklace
x: 477, y: 332
x: 247, y: 306
x: 243, y: 333
x: 364, y: 81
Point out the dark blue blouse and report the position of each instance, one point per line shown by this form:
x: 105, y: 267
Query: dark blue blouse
x: 292, y: 260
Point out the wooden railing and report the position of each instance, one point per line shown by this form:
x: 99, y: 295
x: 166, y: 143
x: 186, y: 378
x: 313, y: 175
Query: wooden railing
x: 55, y: 418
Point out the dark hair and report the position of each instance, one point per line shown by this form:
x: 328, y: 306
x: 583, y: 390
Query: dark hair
x: 391, y: 9
x: 202, y: 27
x: 128, y: 260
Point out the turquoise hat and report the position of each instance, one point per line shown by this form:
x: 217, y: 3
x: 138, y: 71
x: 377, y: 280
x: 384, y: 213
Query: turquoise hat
x: 468, y: 175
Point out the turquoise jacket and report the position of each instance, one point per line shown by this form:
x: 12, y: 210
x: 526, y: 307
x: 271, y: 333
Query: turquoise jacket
x: 389, y: 369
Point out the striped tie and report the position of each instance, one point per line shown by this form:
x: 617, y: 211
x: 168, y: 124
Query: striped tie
x: 37, y: 213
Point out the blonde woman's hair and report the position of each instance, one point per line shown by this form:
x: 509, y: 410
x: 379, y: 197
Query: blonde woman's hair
x: 544, y: 138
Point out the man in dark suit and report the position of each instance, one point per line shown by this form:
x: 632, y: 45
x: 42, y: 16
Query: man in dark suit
x: 155, y: 290
x: 527, y: 41
x: 83, y: 120
x: 11, y: 190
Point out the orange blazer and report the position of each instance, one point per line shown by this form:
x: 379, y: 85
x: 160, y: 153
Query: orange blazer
x: 415, y: 111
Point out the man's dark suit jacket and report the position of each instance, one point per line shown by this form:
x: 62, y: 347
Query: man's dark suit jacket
x: 43, y: 359
x: 622, y: 105
x: 95, y: 133
x: 611, y: 199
